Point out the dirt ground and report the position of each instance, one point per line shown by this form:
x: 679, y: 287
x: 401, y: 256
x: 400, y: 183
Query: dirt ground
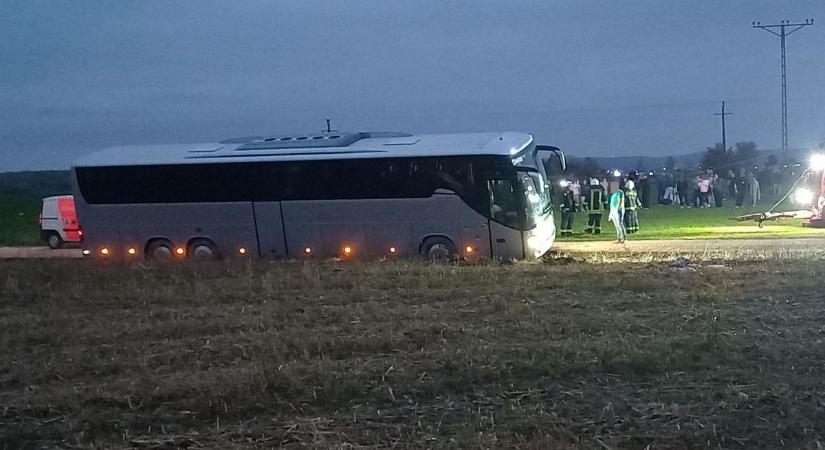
x: 803, y: 246
x: 624, y: 352
x: 807, y: 245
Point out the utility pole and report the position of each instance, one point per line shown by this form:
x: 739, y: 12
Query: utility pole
x: 783, y: 25
x: 723, y: 114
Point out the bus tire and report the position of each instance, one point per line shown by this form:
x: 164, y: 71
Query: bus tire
x: 159, y: 250
x: 54, y: 240
x: 203, y: 249
x: 439, y: 248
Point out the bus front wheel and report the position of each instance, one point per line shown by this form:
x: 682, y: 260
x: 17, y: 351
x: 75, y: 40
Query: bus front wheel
x: 439, y: 248
x: 159, y: 250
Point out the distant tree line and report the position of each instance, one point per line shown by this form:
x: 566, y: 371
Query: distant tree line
x: 41, y: 183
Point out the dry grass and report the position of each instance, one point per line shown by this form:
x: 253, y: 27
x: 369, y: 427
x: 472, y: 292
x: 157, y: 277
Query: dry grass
x: 602, y: 354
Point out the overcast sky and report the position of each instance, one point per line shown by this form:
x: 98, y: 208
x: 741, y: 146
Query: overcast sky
x: 598, y: 78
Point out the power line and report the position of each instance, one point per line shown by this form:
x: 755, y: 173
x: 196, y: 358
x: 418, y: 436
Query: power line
x: 783, y: 25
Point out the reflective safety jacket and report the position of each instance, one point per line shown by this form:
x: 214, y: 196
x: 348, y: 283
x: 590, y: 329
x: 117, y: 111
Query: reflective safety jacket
x: 631, y: 200
x: 594, y: 199
x: 568, y: 201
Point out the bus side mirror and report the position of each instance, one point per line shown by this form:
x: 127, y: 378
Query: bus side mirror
x: 556, y: 151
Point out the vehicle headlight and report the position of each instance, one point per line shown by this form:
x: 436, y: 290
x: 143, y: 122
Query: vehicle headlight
x: 803, y: 196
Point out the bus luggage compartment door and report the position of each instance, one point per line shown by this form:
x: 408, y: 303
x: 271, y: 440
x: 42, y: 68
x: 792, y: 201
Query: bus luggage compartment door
x: 269, y: 226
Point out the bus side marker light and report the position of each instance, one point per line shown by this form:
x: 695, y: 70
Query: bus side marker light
x: 307, y: 250
x: 132, y: 251
x: 468, y: 249
x: 104, y: 251
x: 242, y: 250
x: 347, y: 250
x: 179, y: 251
x: 393, y: 250
x: 87, y: 252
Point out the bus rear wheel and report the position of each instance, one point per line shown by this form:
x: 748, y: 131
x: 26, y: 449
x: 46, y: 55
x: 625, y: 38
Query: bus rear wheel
x: 439, y: 248
x: 159, y: 250
x: 203, y: 250
x: 54, y: 241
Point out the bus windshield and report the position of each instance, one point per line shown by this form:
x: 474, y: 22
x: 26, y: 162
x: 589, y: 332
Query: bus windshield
x: 518, y: 202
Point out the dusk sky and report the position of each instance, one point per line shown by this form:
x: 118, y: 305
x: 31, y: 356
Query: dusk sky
x: 597, y: 78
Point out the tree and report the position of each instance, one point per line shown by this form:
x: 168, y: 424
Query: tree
x: 587, y: 167
x: 716, y: 157
x: 745, y: 152
x: 670, y: 163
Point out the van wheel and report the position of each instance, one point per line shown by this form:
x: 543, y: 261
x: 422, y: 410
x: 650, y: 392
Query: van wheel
x: 159, y: 250
x: 203, y: 249
x: 439, y: 248
x: 54, y: 241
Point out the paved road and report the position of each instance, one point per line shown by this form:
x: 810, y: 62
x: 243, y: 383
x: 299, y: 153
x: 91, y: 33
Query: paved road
x: 696, y: 245
x: 799, y: 245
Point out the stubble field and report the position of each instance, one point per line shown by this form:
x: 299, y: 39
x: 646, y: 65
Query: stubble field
x: 599, y: 353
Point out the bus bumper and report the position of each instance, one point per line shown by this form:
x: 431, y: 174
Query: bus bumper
x: 541, y: 238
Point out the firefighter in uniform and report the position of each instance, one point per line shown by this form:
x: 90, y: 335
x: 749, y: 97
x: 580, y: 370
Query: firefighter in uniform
x: 594, y: 201
x: 568, y: 210
x: 631, y: 206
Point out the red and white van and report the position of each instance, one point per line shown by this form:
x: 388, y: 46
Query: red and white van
x: 58, y: 221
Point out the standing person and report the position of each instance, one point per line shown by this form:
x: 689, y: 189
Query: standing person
x: 616, y: 215
x: 741, y: 188
x: 577, y: 190
x: 704, y: 191
x: 732, y: 184
x: 756, y: 194
x: 568, y: 210
x: 716, y: 188
x: 644, y: 190
x: 594, y: 204
x: 682, y: 189
x: 632, y: 203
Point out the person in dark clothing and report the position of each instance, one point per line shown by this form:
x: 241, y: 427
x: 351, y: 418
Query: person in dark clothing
x: 568, y: 211
x: 644, y: 190
x: 594, y: 201
x: 741, y: 188
x: 682, y: 189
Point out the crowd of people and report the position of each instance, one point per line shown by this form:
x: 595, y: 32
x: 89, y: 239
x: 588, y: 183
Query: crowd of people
x: 621, y: 195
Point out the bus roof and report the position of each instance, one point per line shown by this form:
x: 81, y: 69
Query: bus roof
x: 312, y: 147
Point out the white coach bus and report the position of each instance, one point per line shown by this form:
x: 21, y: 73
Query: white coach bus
x: 344, y: 195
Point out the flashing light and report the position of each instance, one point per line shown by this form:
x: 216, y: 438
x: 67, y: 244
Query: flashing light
x: 818, y: 162
x: 803, y: 196
x: 468, y: 249
x: 393, y: 250
x: 307, y: 250
x: 617, y: 173
x: 242, y: 250
x: 104, y: 251
x: 564, y: 183
x: 347, y: 250
x: 131, y: 251
x: 87, y: 252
